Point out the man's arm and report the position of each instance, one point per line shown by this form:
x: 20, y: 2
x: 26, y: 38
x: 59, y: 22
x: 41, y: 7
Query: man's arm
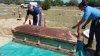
x: 38, y: 17
x: 80, y: 23
x: 79, y: 29
x: 87, y: 22
x: 83, y: 27
x: 26, y: 18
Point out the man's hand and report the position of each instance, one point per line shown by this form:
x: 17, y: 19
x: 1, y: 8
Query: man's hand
x: 83, y: 27
x: 26, y: 18
x: 73, y: 27
x: 73, y: 40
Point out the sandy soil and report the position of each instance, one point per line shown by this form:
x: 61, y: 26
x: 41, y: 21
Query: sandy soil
x: 7, y: 24
x: 4, y: 40
x: 5, y: 29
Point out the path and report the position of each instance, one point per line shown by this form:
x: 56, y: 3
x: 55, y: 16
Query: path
x: 7, y: 24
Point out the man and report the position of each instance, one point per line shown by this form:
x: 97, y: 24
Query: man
x: 91, y: 32
x: 36, y: 13
x: 92, y: 14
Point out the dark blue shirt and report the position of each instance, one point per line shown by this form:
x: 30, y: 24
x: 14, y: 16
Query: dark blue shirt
x: 35, y: 12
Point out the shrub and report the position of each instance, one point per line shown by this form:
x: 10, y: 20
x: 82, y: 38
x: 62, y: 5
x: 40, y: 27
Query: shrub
x: 46, y: 5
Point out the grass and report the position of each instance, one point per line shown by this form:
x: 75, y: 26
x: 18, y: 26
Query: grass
x: 9, y: 11
x: 55, y: 17
x: 65, y: 17
x: 61, y: 18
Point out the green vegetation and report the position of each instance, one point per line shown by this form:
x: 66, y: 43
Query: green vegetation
x: 94, y: 3
x: 12, y: 1
x: 73, y: 3
x: 57, y: 3
x: 53, y: 2
x: 55, y: 17
x: 46, y: 5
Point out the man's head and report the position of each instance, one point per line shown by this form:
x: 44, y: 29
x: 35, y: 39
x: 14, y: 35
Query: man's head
x: 82, y: 6
x: 30, y: 7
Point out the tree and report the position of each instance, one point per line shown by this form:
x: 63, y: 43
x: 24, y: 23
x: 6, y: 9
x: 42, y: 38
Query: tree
x: 67, y: 4
x: 18, y: 2
x: 99, y: 0
x: 1, y: 1
x: 46, y: 5
x: 94, y: 3
x: 52, y: 2
x: 73, y: 3
x: 58, y: 3
x: 12, y: 1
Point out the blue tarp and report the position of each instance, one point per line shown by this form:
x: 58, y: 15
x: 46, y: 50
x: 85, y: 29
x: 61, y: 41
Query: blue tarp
x: 16, y: 49
x: 80, y: 49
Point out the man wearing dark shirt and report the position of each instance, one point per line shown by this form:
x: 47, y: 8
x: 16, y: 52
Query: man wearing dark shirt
x: 36, y: 13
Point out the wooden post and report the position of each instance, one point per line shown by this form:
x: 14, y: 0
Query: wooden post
x: 45, y: 24
x: 14, y: 12
x: 29, y: 22
x: 20, y: 13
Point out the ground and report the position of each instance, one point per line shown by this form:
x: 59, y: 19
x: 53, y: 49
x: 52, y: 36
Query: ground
x: 4, y: 40
x: 61, y: 17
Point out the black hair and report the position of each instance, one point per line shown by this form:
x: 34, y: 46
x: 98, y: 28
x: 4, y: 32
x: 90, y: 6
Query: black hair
x: 83, y: 4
